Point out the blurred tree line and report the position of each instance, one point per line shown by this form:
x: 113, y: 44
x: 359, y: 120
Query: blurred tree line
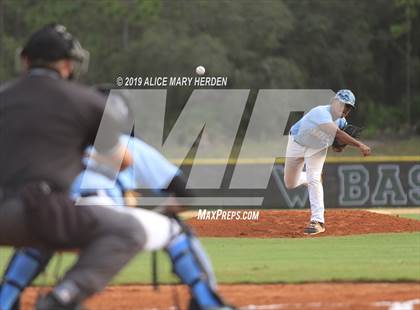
x: 371, y: 47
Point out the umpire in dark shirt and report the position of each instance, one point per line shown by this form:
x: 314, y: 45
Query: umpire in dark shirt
x: 46, y: 122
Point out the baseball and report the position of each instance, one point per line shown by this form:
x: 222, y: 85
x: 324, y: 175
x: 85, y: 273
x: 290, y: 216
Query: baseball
x: 200, y: 70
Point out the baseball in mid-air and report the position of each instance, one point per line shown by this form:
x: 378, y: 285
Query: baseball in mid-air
x: 200, y: 70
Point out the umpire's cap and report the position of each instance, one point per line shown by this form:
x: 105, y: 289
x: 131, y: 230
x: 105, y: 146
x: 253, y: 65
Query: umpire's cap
x: 53, y: 42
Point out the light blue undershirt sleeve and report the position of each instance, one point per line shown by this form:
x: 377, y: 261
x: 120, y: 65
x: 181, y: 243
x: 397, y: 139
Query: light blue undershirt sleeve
x: 341, y: 122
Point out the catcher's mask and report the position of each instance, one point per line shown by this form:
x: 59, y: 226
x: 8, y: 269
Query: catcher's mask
x: 52, y: 43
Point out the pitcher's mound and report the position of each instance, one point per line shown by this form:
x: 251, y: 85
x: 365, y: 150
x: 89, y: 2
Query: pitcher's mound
x: 285, y: 223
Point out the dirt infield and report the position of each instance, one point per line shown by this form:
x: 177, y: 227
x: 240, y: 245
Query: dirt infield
x: 311, y: 296
x: 284, y: 223
x: 365, y: 296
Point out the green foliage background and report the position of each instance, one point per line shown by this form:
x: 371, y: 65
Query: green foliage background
x: 356, y: 44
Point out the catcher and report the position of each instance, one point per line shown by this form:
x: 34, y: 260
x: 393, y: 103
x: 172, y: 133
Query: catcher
x: 309, y: 139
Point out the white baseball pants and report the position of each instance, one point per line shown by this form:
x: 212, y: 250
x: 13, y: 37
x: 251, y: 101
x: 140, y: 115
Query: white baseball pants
x: 296, y: 157
x: 159, y: 229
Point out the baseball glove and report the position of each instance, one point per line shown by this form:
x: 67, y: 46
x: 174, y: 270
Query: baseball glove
x: 351, y: 130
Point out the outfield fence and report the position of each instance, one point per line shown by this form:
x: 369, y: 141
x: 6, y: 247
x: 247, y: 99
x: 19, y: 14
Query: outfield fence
x: 382, y: 181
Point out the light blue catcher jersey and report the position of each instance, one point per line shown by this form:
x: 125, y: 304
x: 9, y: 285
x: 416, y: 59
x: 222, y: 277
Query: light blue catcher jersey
x: 150, y: 170
x: 95, y: 182
x: 306, y: 131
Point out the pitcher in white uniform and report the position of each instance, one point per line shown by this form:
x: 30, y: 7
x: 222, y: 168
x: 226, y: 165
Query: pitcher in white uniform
x: 308, y: 143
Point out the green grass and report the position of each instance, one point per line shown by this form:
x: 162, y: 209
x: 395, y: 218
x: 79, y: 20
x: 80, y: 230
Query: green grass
x: 375, y: 257
x: 410, y: 216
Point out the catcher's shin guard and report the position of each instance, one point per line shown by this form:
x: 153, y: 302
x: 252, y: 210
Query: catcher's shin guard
x: 24, y: 266
x: 191, y: 265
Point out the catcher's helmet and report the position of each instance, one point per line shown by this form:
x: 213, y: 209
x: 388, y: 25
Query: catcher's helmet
x: 119, y: 104
x: 53, y: 42
x: 346, y: 96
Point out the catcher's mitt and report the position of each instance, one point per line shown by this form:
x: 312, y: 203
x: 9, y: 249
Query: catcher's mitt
x: 351, y: 130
